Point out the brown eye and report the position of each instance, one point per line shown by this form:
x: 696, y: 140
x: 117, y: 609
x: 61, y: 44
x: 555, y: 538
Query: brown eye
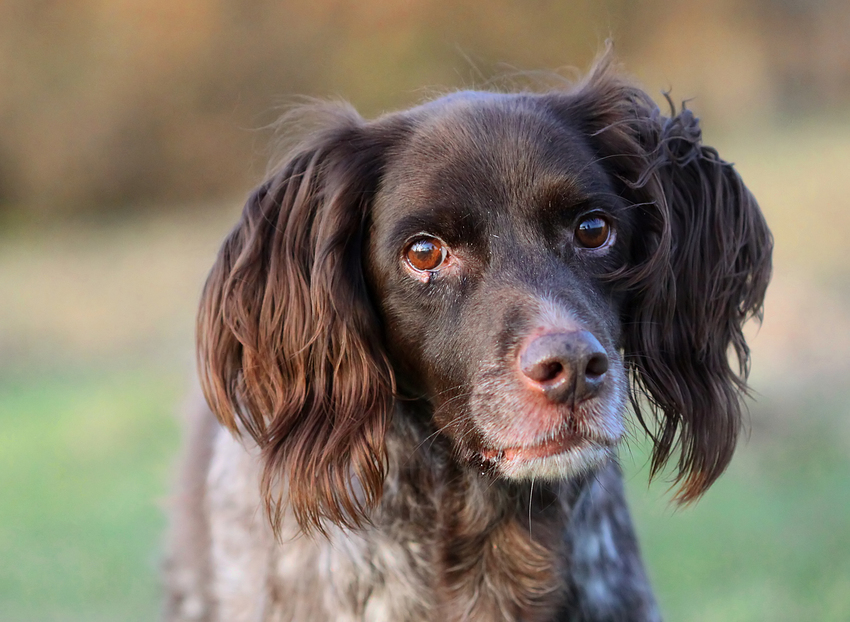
x: 425, y: 254
x: 593, y: 232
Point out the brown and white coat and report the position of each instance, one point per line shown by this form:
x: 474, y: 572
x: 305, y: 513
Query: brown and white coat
x: 421, y: 340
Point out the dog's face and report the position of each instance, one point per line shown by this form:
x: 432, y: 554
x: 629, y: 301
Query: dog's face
x: 509, y: 259
x: 487, y: 240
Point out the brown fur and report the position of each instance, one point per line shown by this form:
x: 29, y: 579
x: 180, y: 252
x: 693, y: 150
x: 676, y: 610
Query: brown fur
x: 380, y: 413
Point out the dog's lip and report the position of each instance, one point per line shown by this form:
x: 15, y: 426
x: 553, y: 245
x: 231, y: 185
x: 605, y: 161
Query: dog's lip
x: 560, y: 443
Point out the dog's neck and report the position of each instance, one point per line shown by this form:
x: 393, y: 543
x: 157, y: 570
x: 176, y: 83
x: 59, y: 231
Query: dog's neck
x: 445, y: 544
x: 493, y: 550
x: 496, y: 550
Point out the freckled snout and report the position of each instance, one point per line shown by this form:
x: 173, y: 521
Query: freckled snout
x: 565, y: 367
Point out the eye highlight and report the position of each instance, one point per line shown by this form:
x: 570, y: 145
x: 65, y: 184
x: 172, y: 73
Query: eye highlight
x: 425, y: 254
x: 593, y: 232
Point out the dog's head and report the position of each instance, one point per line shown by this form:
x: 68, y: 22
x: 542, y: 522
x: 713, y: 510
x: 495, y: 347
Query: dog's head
x: 509, y: 260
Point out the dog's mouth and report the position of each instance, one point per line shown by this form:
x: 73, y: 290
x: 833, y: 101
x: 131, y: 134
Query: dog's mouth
x: 565, y: 441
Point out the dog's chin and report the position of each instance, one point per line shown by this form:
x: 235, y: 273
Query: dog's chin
x: 553, y: 459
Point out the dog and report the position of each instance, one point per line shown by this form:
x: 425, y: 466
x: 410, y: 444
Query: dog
x: 424, y: 341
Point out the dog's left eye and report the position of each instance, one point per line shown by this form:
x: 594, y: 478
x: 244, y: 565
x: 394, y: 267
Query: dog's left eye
x: 425, y: 254
x: 593, y: 232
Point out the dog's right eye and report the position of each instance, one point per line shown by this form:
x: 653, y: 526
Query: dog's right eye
x: 593, y: 232
x: 425, y: 254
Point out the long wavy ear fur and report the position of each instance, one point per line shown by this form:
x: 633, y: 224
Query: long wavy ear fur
x: 701, y: 265
x: 288, y: 343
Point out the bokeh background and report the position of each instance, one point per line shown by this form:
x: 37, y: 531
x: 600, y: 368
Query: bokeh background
x: 131, y: 130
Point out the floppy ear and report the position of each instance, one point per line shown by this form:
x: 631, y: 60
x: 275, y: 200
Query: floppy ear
x: 288, y: 342
x: 701, y: 262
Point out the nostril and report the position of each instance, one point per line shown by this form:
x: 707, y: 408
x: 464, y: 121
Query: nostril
x: 596, y: 367
x: 568, y: 366
x: 545, y: 371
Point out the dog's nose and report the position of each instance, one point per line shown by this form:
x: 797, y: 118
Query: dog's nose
x: 567, y: 367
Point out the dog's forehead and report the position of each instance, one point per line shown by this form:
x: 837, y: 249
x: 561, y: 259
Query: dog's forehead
x: 506, y: 148
x: 473, y: 128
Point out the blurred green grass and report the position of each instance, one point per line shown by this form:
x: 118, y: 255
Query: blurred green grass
x: 96, y: 353
x: 85, y: 460
x: 771, y: 539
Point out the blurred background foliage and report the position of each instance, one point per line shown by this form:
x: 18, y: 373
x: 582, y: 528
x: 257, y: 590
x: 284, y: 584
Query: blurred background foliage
x: 130, y: 130
x: 114, y: 102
